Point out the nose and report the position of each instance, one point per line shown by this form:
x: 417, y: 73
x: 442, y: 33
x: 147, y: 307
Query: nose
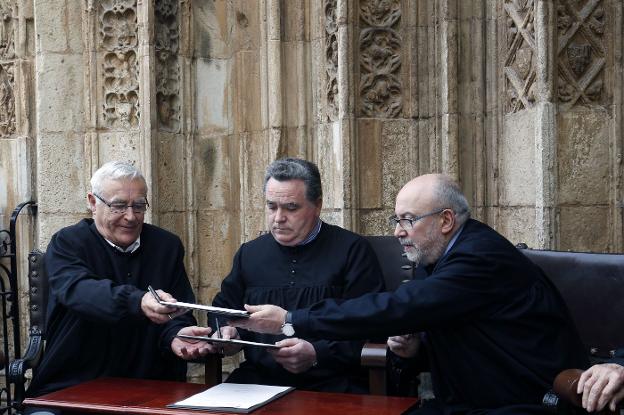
x: 399, y: 232
x: 280, y: 215
x: 129, y: 214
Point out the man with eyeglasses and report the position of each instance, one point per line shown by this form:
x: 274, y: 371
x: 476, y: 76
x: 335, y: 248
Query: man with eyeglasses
x: 494, y: 330
x: 101, y: 319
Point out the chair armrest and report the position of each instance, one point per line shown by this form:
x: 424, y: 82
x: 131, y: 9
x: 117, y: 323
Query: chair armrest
x: 374, y: 355
x: 565, y: 386
x: 373, y: 358
x: 30, y: 360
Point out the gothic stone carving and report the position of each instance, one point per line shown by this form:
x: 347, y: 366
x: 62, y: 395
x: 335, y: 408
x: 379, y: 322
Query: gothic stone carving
x: 7, y: 100
x: 118, y: 29
x: 381, y: 92
x: 331, y: 59
x: 167, y: 66
x: 581, y: 52
x: 7, y: 42
x: 519, y: 63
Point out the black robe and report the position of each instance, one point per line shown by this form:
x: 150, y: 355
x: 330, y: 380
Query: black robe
x: 95, y: 326
x: 337, y: 264
x: 497, y: 330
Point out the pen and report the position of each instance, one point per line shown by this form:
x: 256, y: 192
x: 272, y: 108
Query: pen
x: 218, y: 333
x: 157, y: 297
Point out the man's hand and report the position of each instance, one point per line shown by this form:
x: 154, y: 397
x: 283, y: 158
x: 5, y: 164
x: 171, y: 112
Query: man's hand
x: 601, y: 385
x: 157, y: 313
x: 405, y: 346
x: 295, y: 355
x: 263, y: 319
x: 227, y: 332
x: 191, y: 349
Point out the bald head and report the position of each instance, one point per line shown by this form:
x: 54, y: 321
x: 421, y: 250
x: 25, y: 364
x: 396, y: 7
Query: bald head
x: 430, y: 192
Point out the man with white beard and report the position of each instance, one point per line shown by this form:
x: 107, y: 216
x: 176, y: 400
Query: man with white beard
x: 495, y: 331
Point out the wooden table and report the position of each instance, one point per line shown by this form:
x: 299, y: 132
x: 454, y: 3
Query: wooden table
x: 133, y: 396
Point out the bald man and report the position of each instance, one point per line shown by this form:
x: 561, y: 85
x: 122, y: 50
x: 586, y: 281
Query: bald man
x: 494, y: 329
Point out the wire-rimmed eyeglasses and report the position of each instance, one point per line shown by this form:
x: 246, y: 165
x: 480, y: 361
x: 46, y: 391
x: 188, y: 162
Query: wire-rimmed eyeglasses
x: 408, y: 223
x: 118, y: 208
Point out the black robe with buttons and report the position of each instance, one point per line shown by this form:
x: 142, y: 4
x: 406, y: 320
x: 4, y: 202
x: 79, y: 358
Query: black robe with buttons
x: 337, y: 264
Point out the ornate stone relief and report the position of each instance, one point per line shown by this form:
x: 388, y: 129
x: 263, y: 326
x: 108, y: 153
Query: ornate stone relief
x: 519, y: 63
x: 331, y: 59
x: 7, y: 58
x: 581, y: 53
x: 118, y: 29
x: 7, y: 100
x: 167, y: 66
x: 7, y: 34
x: 381, y: 91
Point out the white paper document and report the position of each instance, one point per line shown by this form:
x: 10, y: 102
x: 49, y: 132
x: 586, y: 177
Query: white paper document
x: 233, y: 397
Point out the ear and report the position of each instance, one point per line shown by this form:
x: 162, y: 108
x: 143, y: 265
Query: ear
x: 448, y: 221
x: 92, y: 201
x: 319, y: 205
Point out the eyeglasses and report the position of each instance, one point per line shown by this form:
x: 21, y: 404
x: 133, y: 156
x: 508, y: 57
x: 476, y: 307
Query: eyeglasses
x: 117, y: 208
x: 408, y: 223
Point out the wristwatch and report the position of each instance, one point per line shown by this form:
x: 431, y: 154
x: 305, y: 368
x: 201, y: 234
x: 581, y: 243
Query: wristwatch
x: 287, y: 327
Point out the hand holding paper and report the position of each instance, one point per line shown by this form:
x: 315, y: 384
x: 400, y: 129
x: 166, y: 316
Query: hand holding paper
x: 265, y: 318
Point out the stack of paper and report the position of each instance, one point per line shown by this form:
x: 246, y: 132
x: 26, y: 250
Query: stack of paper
x: 233, y: 397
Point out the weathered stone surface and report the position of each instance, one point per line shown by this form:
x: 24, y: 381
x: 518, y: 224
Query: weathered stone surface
x: 120, y: 146
x: 516, y: 164
x: 518, y: 225
x: 59, y: 94
x: 583, y: 154
x: 213, y: 180
x: 213, y: 110
x: 59, y: 26
x: 584, y: 228
x: 171, y: 178
x: 62, y: 183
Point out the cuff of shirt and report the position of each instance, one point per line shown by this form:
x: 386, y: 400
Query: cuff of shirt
x: 300, y: 322
x: 134, y: 303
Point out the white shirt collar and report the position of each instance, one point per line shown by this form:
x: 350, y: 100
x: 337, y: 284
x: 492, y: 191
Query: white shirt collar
x: 131, y: 248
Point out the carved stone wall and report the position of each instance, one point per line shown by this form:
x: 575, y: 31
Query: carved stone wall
x: 520, y: 55
x: 581, y: 53
x: 380, y: 44
x: 167, y: 33
x: 120, y: 66
x: 520, y: 100
x: 7, y: 70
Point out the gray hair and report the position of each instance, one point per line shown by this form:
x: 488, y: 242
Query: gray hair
x: 115, y: 170
x: 449, y: 195
x: 296, y: 169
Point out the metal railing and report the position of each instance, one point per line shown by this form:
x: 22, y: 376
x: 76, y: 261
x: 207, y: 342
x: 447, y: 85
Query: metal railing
x: 9, y: 300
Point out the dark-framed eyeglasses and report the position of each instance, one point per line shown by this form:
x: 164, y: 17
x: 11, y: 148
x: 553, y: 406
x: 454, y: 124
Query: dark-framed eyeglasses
x: 118, y: 208
x: 408, y: 223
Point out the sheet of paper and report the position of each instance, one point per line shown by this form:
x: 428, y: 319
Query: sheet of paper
x: 214, y: 310
x: 233, y: 397
x: 230, y: 341
x: 210, y: 309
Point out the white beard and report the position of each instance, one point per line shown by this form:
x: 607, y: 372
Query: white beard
x: 428, y: 252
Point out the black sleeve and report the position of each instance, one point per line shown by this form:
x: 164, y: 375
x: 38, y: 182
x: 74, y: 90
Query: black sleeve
x: 463, y: 288
x: 76, y: 286
x: 362, y: 275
